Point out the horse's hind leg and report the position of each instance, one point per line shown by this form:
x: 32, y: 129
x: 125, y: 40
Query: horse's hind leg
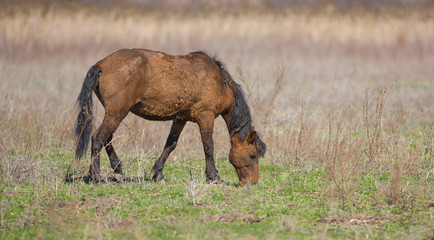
x: 171, y: 142
x: 99, y: 138
x: 114, y: 160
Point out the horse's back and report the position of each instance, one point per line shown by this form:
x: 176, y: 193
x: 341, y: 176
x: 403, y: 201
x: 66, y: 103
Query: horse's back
x: 160, y: 86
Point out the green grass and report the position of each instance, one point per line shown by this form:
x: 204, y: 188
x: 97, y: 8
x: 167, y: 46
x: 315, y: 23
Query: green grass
x: 287, y: 202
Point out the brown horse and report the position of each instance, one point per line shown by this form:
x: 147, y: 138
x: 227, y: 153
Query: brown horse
x: 158, y: 86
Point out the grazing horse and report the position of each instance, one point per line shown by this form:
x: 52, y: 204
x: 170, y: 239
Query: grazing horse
x: 158, y: 86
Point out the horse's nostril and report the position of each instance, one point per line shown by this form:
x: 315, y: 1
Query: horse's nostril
x: 244, y: 182
x: 253, y: 183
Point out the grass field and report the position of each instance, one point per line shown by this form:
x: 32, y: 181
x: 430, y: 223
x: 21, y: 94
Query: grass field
x: 343, y: 98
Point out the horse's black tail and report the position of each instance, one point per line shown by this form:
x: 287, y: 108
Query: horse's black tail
x: 226, y: 78
x: 83, y: 128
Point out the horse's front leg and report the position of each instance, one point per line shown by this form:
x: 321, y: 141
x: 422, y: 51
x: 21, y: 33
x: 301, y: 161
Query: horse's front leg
x: 206, y: 125
x: 171, y: 142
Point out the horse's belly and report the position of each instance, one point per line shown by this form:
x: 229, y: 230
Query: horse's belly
x: 162, y: 110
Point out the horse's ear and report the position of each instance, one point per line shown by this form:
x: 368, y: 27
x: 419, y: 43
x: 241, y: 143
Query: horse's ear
x: 252, y: 137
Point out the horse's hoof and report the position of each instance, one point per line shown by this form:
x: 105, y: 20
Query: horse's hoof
x: 115, y: 177
x: 215, y: 180
x: 159, y: 177
x: 118, y: 170
x: 97, y: 178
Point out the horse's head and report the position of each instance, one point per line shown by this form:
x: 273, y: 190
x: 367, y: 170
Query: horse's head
x: 244, y: 157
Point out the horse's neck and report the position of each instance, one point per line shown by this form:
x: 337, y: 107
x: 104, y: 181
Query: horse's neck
x: 237, y: 132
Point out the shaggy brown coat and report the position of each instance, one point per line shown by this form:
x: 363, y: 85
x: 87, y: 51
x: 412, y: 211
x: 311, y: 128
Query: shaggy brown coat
x: 159, y: 86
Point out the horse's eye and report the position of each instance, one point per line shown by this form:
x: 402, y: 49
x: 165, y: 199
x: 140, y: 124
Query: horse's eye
x: 252, y: 156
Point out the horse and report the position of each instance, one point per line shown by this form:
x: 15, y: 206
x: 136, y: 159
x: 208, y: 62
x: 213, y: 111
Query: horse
x: 158, y: 86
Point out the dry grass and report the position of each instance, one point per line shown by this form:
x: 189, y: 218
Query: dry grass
x: 312, y: 78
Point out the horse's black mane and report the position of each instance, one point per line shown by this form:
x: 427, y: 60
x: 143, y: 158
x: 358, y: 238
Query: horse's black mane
x: 241, y: 120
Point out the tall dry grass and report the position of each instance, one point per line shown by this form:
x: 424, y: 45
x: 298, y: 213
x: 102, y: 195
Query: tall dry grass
x: 314, y: 77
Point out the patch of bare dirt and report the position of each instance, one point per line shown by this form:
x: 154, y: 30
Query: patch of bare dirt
x: 89, y: 202
x: 60, y: 211
x: 101, y: 205
x: 127, y: 223
x: 171, y: 217
x: 231, y: 217
x: 358, y: 219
